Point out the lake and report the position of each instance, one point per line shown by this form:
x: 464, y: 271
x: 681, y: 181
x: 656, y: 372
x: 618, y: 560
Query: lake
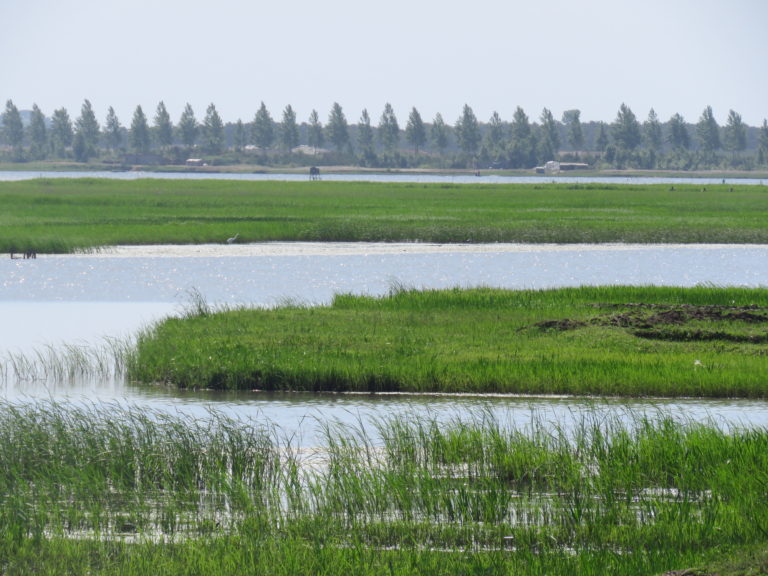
x: 11, y: 175
x: 87, y: 299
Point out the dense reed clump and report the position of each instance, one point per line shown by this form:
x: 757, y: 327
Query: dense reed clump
x: 65, y: 215
x: 119, y: 489
x: 663, y: 341
x: 104, y: 473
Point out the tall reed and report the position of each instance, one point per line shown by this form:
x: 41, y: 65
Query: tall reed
x: 625, y: 491
x: 68, y: 362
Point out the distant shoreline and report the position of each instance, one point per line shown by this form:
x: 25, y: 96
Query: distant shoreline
x: 281, y: 249
x: 259, y: 169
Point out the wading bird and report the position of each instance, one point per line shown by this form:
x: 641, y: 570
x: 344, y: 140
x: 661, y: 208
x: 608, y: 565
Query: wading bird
x: 233, y: 239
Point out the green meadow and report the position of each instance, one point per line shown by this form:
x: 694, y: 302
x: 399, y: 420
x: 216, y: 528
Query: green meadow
x: 63, y: 215
x: 624, y: 341
x: 125, y: 490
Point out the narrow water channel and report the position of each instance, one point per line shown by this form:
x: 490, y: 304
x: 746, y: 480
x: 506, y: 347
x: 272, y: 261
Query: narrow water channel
x: 483, y: 177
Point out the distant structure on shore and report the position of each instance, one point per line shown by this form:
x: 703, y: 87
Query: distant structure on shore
x: 554, y: 167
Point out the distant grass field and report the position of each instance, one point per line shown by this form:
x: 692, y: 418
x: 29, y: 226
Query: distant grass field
x: 63, y: 215
x: 623, y: 341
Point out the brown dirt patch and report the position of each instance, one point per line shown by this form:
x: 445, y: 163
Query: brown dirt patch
x: 674, y: 322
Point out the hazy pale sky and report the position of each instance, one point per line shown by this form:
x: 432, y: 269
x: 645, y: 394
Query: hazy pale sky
x: 677, y: 56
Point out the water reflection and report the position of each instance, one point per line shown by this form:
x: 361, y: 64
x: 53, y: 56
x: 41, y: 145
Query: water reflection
x: 34, y: 325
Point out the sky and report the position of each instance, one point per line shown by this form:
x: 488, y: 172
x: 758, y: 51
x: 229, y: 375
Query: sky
x: 675, y: 56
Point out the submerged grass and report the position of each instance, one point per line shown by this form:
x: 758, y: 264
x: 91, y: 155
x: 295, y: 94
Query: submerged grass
x: 703, y: 341
x: 120, y: 489
x: 64, y: 215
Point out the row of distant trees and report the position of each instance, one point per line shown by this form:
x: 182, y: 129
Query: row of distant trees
x: 467, y: 143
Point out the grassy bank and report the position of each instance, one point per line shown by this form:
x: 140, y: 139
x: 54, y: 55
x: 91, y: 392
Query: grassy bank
x: 62, y: 215
x: 125, y: 490
x: 703, y: 341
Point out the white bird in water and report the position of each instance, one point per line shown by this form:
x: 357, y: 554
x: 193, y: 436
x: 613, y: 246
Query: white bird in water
x: 233, y: 239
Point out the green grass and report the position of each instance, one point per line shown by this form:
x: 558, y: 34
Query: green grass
x: 62, y: 215
x: 125, y: 490
x: 624, y: 341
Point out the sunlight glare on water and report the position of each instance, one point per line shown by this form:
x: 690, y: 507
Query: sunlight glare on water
x: 267, y: 274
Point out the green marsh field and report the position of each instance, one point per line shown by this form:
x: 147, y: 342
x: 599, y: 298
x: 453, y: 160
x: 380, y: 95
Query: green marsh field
x: 116, y: 489
x: 64, y: 215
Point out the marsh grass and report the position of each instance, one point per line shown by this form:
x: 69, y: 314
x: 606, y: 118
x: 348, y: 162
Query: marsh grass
x: 67, y: 215
x: 115, y: 488
x: 68, y: 362
x: 703, y: 341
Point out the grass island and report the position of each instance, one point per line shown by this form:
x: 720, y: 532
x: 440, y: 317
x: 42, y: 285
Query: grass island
x: 642, y: 341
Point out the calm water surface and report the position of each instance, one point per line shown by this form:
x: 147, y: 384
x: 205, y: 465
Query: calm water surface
x: 83, y: 299
x: 314, y: 274
x: 367, y: 177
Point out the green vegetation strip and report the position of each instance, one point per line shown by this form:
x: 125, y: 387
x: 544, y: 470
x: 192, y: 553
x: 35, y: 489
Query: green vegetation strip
x: 660, y: 341
x: 64, y: 215
x: 117, y: 489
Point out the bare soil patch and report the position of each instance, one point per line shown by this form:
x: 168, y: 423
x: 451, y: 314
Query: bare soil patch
x: 677, y: 323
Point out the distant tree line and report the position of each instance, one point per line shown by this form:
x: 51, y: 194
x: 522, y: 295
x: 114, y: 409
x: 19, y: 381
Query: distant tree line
x: 521, y: 143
